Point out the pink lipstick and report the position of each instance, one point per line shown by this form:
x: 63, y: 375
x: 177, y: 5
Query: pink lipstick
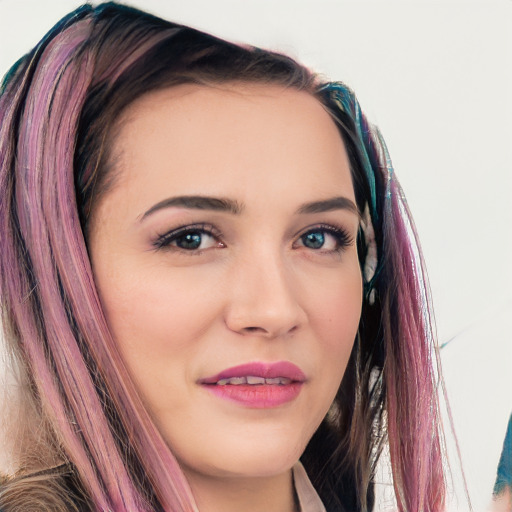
x: 257, y: 385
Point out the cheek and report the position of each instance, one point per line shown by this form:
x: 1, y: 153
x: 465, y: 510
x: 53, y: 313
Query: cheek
x: 156, y: 320
x: 335, y: 315
x: 154, y: 305
x: 335, y: 304
x: 159, y: 317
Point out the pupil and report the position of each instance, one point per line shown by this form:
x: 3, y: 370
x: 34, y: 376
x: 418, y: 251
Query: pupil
x: 189, y: 241
x: 314, y: 240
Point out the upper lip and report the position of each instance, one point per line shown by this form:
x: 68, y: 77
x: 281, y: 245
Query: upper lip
x: 259, y: 369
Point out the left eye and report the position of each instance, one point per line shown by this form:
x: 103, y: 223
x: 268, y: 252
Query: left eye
x: 194, y: 240
x: 188, y: 239
x: 325, y: 239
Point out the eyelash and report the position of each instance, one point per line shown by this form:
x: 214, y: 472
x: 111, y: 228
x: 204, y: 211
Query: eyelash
x: 164, y: 241
x: 342, y: 237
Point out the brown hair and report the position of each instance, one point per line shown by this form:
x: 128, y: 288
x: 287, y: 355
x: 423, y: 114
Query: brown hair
x: 81, y: 77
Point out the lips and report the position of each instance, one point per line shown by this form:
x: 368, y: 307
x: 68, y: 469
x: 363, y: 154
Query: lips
x: 253, y: 380
x: 257, y: 385
x: 281, y: 369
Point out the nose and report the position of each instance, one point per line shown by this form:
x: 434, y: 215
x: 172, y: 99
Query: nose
x: 264, y: 298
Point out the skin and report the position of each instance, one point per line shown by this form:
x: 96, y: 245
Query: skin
x: 255, y: 290
x: 502, y: 502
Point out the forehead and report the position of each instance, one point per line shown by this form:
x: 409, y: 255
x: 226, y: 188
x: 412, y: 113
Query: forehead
x: 235, y: 138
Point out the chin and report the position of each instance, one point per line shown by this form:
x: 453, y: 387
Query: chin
x: 264, y: 463
x: 263, y: 456
x: 253, y: 466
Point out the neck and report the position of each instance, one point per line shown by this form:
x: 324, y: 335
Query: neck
x: 237, y: 494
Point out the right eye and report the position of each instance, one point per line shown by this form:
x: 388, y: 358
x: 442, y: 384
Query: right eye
x: 190, y: 239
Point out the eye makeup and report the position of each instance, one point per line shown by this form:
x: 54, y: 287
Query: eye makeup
x: 317, y: 238
x: 190, y: 238
x: 198, y: 237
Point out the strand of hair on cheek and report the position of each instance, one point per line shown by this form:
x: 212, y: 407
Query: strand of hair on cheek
x: 161, y: 466
x: 89, y: 444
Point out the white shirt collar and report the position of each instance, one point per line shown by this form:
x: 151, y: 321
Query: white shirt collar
x: 309, y: 500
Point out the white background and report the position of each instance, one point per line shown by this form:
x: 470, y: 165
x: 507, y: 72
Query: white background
x: 436, y: 77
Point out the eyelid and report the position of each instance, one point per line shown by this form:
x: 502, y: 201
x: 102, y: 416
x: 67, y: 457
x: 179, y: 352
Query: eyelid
x: 345, y: 239
x: 163, y: 241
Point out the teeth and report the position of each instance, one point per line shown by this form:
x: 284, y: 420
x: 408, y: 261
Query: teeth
x: 278, y: 380
x: 253, y: 381
x: 233, y: 380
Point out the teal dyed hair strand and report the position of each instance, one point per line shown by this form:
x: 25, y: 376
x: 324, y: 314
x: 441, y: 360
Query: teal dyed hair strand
x: 347, y: 102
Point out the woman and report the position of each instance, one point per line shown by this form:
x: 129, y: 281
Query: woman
x: 208, y: 273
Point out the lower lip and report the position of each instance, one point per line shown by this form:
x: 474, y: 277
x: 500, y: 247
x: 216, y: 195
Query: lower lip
x: 262, y: 396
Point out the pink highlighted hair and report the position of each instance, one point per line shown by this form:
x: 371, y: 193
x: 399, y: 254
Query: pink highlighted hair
x: 58, y: 112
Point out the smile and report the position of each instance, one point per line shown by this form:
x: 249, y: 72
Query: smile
x: 257, y: 385
x: 254, y: 381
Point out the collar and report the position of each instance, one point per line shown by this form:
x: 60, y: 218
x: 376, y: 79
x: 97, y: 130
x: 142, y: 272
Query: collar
x: 308, y: 498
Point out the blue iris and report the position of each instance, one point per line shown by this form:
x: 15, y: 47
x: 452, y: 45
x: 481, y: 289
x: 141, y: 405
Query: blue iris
x: 314, y: 240
x: 189, y: 241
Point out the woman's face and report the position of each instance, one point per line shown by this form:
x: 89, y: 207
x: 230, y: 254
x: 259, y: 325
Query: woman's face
x: 226, y: 263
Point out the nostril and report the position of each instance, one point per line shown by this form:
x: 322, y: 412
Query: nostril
x: 265, y: 332
x: 254, y: 329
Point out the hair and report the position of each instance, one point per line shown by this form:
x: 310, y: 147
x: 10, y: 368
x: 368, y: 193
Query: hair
x: 58, y: 111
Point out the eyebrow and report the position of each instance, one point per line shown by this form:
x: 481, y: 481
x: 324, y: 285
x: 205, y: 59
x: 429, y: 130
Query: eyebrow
x: 197, y: 203
x: 231, y: 206
x: 328, y: 205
